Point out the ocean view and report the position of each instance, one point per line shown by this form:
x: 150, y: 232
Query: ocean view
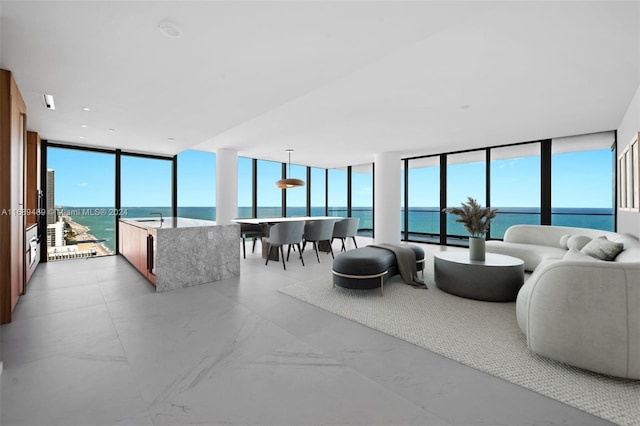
x: 422, y: 220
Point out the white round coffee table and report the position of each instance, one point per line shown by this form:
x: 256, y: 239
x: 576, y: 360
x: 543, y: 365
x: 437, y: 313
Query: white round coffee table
x: 496, y: 279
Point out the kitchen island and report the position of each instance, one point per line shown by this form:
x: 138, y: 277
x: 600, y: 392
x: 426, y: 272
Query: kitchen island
x: 176, y: 252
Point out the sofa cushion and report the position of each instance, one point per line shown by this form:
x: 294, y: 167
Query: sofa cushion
x: 534, y: 243
x: 602, y: 249
x: 575, y: 254
x: 564, y: 240
x: 626, y: 240
x: 548, y: 235
x: 631, y: 254
x: 577, y: 241
x: 531, y: 254
x: 541, y: 235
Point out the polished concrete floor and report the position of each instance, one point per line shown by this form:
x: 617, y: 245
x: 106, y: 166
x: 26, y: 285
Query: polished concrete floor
x: 92, y: 344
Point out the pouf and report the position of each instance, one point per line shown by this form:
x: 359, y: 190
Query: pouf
x: 369, y: 267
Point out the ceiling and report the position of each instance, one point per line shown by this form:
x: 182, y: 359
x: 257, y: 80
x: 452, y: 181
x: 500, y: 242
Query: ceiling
x: 337, y: 81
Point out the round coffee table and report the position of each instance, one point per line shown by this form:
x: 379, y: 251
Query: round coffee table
x: 496, y: 279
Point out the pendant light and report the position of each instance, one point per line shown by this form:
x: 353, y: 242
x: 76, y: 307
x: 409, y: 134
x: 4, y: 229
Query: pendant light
x: 289, y: 182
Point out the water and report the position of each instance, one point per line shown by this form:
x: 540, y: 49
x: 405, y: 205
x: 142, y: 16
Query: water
x: 427, y: 220
x: 422, y: 221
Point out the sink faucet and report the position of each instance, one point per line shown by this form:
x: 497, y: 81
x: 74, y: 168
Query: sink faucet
x: 161, y: 219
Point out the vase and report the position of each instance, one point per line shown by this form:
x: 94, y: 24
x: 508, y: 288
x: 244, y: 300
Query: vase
x: 477, y: 248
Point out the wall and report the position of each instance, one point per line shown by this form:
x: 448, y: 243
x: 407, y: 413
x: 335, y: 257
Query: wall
x: 629, y: 222
x: 386, y: 209
x: 1, y: 38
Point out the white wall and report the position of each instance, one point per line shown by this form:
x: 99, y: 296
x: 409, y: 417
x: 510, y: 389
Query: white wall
x: 629, y: 222
x: 226, y: 186
x: 387, y: 195
x: 1, y: 38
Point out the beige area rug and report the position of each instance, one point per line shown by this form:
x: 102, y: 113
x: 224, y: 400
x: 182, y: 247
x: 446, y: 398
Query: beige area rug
x: 482, y: 335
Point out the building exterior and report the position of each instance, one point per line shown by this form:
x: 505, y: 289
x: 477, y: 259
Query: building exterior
x: 55, y: 234
x: 51, y: 215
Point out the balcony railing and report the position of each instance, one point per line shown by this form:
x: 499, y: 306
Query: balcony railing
x: 424, y: 223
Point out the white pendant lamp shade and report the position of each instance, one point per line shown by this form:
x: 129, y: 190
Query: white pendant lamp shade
x: 289, y: 182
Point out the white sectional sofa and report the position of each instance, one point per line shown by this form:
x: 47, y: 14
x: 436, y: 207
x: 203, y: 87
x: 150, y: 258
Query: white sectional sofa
x: 575, y: 308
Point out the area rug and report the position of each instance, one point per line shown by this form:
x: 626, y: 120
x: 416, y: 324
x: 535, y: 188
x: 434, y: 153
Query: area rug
x: 482, y: 335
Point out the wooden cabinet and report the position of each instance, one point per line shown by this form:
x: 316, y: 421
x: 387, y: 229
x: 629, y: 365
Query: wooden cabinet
x: 136, y: 245
x: 32, y: 188
x: 13, y: 118
x: 32, y: 172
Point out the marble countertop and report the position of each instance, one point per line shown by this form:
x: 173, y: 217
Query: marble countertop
x: 168, y: 222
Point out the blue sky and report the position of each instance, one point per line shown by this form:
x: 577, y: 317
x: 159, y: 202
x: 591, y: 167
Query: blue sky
x: 82, y: 178
x: 86, y: 179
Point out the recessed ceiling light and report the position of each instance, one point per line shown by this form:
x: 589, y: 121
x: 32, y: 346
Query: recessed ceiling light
x: 48, y: 101
x: 171, y: 139
x: 81, y: 137
x: 84, y: 125
x: 170, y: 29
x: 112, y: 130
x: 86, y: 109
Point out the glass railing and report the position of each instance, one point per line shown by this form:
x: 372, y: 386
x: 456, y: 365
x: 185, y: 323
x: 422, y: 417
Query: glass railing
x: 594, y: 218
x: 424, y: 222
x: 365, y: 226
x: 509, y: 217
x: 206, y: 213
x: 337, y: 211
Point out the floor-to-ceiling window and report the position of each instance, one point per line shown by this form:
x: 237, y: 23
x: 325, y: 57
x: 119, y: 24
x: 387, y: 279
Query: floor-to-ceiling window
x: 318, y: 186
x: 245, y: 187
x: 582, y: 189
x: 269, y: 197
x: 296, y: 197
x: 80, y: 206
x: 565, y: 181
x: 145, y: 186
x: 515, y: 186
x: 423, y: 218
x: 337, y: 187
x: 362, y: 197
x: 197, y: 184
x: 403, y: 200
x: 466, y: 177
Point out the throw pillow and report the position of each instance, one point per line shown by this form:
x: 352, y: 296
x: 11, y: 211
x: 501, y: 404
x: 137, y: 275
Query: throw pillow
x: 603, y: 249
x: 575, y: 254
x: 577, y: 241
x: 563, y: 241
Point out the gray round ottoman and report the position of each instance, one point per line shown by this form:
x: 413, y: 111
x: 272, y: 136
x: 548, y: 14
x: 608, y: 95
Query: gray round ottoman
x: 369, y: 267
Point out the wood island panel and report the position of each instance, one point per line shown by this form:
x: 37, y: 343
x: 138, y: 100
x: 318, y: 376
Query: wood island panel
x: 133, y: 246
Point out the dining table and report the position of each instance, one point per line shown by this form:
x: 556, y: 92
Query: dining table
x: 267, y: 222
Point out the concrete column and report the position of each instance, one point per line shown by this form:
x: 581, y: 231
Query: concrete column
x: 226, y: 185
x: 387, y: 197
